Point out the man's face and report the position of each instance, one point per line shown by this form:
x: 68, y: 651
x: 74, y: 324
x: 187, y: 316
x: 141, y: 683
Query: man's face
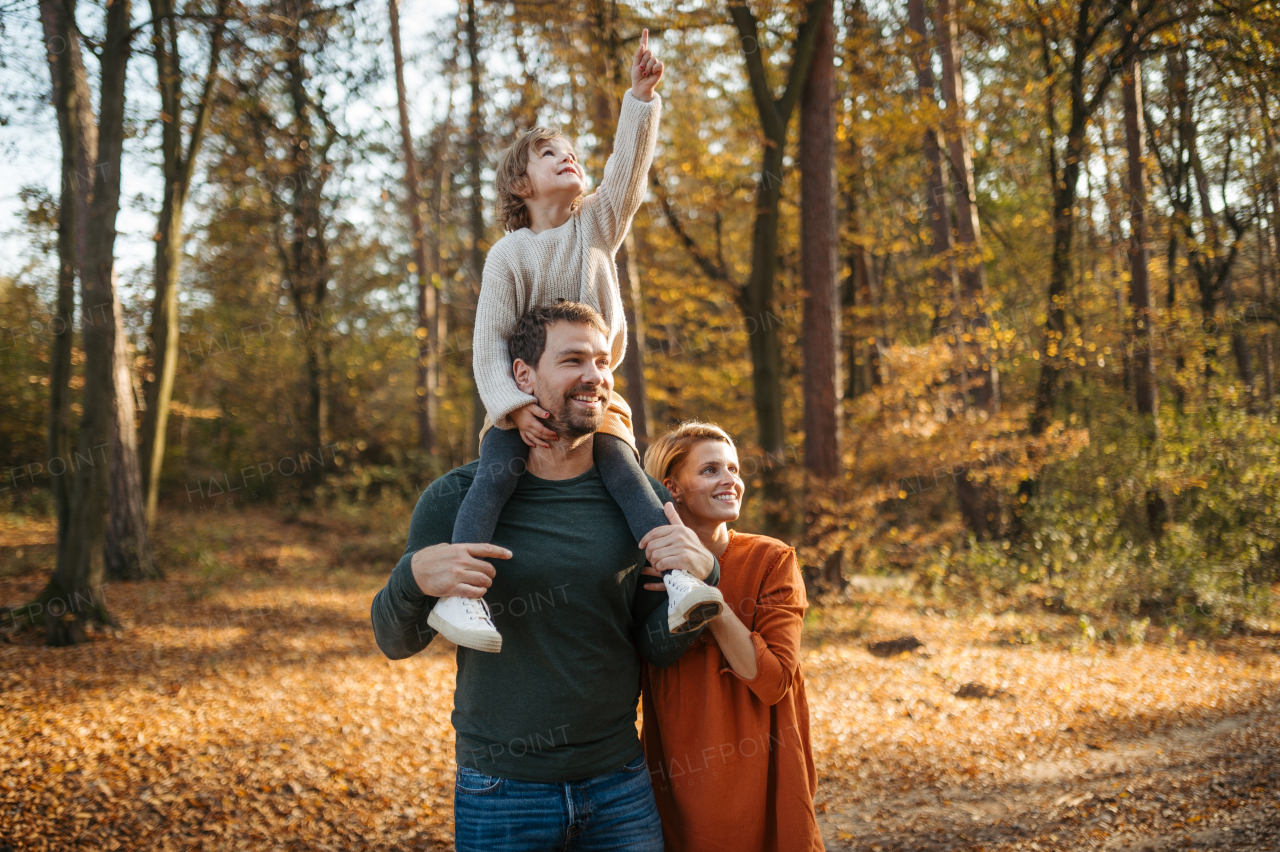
x: 554, y: 171
x: 572, y: 380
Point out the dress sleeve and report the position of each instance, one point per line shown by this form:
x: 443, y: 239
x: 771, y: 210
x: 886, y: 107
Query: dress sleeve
x: 610, y: 208
x: 780, y: 606
x: 496, y: 315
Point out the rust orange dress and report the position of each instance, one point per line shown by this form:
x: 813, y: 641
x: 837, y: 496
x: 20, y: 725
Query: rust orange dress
x: 730, y: 759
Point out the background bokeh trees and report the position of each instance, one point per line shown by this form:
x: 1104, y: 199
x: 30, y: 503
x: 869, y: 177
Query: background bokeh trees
x: 1055, y: 230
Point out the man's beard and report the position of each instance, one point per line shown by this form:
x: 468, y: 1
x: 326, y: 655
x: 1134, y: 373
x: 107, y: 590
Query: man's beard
x: 568, y: 421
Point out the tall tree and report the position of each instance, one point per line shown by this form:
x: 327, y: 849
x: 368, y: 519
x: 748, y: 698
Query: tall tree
x: 78, y: 134
x: 1145, y: 388
x: 476, y: 250
x: 756, y: 298
x: 978, y: 503
x: 1086, y: 73
x: 178, y: 159
x: 609, y: 78
x: 427, y: 331
x: 946, y: 283
x: 128, y: 553
x: 818, y: 272
x: 74, y: 596
x: 860, y: 289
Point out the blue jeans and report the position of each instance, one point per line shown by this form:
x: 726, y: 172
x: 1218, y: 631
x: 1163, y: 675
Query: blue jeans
x: 614, y: 811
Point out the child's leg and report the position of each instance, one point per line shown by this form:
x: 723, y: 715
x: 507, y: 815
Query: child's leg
x: 627, y: 484
x: 503, y: 457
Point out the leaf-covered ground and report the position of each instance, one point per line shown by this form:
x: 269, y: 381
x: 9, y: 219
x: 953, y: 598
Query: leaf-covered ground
x: 245, y: 706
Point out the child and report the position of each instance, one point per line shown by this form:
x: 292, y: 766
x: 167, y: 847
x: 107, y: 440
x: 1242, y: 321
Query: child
x: 561, y: 245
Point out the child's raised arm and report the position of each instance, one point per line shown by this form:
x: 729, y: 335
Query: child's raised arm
x: 611, y: 207
x: 646, y: 71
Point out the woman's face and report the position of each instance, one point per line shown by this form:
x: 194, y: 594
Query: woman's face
x: 707, y: 485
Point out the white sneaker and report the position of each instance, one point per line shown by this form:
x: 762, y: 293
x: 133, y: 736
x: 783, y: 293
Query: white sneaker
x: 692, y: 602
x: 465, y: 622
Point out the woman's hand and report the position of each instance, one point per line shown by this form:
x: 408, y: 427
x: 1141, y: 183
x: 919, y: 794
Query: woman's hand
x: 532, y: 430
x: 646, y: 71
x: 677, y: 546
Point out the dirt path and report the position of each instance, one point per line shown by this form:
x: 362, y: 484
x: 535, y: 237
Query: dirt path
x: 1207, y: 788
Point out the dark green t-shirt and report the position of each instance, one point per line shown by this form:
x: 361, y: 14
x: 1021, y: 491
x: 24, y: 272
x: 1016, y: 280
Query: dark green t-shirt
x: 559, y: 702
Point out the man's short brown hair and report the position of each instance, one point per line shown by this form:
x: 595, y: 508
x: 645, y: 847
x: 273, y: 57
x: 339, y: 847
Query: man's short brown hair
x: 528, y: 340
x: 512, y: 182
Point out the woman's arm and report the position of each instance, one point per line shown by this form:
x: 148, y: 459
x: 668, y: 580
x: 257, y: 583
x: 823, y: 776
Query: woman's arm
x: 735, y: 643
x: 775, y: 642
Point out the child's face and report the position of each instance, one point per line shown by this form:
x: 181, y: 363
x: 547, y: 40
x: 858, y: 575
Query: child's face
x: 554, y: 172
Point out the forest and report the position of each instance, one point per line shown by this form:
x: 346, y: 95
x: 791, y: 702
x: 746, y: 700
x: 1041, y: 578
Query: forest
x: 985, y: 292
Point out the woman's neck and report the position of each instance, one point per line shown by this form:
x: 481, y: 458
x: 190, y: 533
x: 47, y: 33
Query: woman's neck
x: 714, y: 535
x: 547, y: 214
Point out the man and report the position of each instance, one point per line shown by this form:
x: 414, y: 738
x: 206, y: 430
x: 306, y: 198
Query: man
x: 547, y: 752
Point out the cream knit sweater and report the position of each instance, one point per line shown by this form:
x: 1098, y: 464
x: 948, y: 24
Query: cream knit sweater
x: 575, y: 261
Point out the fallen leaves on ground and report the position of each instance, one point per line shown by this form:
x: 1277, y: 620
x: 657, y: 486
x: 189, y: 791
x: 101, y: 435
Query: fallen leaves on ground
x: 245, y: 706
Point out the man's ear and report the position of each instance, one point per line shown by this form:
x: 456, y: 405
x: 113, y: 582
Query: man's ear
x: 523, y: 374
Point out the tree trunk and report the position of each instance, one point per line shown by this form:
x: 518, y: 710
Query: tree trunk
x: 821, y: 333
x: 128, y: 549
x: 475, y: 129
x: 427, y: 368
x: 75, y: 592
x: 978, y: 503
x: 969, y: 255
x: 1144, y: 370
x: 609, y: 67
x: 818, y: 257
x: 177, y: 169
x: 861, y: 355
x: 1139, y: 276
x: 944, y: 274
x: 756, y: 298
x: 78, y: 134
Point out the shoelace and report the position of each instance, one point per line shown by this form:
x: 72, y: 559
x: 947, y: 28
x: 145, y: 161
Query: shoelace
x: 477, y: 611
x: 682, y: 581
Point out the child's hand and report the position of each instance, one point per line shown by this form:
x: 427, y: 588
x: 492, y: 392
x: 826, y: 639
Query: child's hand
x: 645, y: 70
x: 532, y: 430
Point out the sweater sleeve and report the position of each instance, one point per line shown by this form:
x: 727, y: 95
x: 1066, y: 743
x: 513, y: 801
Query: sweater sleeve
x: 610, y: 208
x: 780, y: 607
x: 400, y: 609
x: 496, y: 316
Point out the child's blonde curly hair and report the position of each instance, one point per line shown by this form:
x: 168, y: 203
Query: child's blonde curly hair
x: 512, y: 183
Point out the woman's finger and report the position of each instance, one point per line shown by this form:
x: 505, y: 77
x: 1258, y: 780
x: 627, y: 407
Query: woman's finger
x: 656, y: 587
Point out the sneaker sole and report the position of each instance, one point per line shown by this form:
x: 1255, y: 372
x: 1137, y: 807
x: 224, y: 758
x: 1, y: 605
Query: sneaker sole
x: 699, y: 606
x: 476, y: 640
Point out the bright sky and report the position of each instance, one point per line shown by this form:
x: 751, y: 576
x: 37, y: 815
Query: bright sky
x: 30, y: 152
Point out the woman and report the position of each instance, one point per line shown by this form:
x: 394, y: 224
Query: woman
x: 726, y: 729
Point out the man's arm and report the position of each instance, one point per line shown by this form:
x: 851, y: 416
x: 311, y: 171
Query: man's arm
x: 430, y: 569
x: 657, y: 645
x: 679, y: 548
